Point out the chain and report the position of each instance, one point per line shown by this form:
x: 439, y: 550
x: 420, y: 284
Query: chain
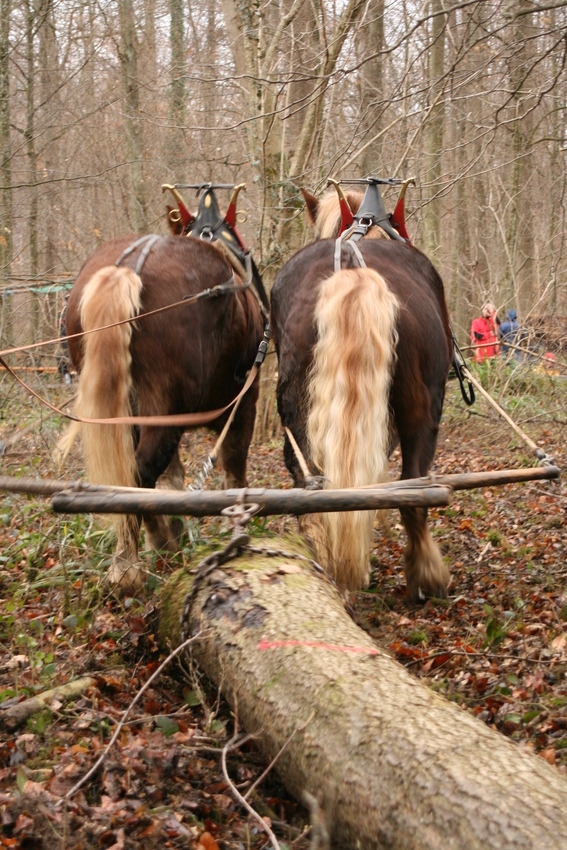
x: 240, y: 514
x: 208, y: 466
x: 267, y: 552
x: 203, y: 570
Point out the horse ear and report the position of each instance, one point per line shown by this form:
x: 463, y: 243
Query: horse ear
x: 311, y: 204
x: 175, y: 225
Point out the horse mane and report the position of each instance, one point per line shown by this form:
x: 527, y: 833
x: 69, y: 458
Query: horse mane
x: 328, y: 220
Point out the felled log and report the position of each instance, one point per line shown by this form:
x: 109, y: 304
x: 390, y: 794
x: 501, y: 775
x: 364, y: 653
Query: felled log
x: 392, y: 764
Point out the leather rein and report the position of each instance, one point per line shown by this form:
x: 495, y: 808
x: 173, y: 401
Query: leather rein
x: 169, y: 420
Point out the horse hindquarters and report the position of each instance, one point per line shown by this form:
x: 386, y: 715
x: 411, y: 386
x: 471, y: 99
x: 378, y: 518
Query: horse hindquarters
x: 348, y: 422
x: 111, y: 295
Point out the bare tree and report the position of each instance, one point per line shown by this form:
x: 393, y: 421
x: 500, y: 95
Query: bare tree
x: 6, y: 230
x: 128, y: 53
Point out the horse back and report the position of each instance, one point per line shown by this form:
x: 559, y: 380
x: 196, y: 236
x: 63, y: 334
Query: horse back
x: 195, y: 355
x: 423, y: 349
x: 408, y: 273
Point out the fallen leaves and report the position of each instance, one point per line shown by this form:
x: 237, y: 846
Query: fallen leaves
x: 499, y: 646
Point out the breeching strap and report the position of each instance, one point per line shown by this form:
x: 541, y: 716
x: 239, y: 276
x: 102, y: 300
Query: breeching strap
x: 353, y: 247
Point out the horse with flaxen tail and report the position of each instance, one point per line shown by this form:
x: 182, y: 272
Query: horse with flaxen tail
x: 363, y: 355
x: 191, y: 358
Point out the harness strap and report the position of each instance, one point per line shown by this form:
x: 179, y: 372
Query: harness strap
x: 151, y: 237
x: 460, y: 367
x: 354, y: 248
x: 357, y: 253
x: 145, y: 251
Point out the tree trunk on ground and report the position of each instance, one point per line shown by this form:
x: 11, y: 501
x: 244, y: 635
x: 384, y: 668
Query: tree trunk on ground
x: 392, y: 764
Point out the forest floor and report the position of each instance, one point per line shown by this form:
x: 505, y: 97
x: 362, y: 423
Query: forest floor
x: 497, y: 646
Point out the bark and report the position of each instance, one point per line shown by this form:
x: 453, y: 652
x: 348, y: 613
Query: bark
x: 392, y: 764
x: 178, y: 94
x: 224, y: 498
x: 29, y: 135
x: 372, y: 91
x: 209, y: 91
x: 6, y: 200
x: 17, y: 715
x: 521, y: 226
x: 128, y: 53
x: 270, y: 502
x: 312, y: 124
x: 50, y: 115
x: 435, y: 129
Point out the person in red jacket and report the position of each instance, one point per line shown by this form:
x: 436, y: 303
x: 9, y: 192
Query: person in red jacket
x: 484, y: 330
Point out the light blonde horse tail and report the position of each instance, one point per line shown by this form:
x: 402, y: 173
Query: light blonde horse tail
x: 111, y: 295
x: 349, y: 419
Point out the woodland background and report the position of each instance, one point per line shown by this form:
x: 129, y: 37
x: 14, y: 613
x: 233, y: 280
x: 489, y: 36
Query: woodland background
x: 101, y: 101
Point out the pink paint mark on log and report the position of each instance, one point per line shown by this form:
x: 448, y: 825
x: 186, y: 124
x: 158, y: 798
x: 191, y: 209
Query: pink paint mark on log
x: 274, y: 644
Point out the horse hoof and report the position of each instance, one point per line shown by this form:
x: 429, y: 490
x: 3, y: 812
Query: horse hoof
x: 124, y: 578
x: 435, y: 588
x: 177, y: 527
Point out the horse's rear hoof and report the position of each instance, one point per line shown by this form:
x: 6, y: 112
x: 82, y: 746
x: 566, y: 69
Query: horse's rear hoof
x: 427, y: 574
x: 420, y: 595
x: 124, y: 578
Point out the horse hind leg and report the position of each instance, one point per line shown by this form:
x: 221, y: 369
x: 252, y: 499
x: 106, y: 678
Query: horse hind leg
x: 165, y: 532
x: 124, y: 573
x: 159, y: 466
x: 426, y: 572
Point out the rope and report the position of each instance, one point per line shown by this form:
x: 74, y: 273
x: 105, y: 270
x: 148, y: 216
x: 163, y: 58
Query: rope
x: 173, y: 420
x: 220, y: 289
x: 312, y: 482
x: 542, y: 456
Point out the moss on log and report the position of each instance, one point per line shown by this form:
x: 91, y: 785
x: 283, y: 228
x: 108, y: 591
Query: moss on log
x: 392, y: 764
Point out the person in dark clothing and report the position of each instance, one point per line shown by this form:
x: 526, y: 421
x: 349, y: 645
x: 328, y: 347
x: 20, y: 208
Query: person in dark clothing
x: 509, y: 332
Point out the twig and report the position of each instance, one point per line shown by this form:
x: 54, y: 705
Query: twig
x: 484, y: 551
x: 320, y: 835
x: 240, y: 798
x: 488, y: 656
x: 120, y: 725
x: 19, y: 713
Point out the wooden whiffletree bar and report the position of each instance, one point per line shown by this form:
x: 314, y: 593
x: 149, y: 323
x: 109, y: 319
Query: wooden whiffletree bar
x: 78, y: 497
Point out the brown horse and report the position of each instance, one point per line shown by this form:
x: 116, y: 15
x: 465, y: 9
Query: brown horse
x: 191, y: 358
x: 363, y: 357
